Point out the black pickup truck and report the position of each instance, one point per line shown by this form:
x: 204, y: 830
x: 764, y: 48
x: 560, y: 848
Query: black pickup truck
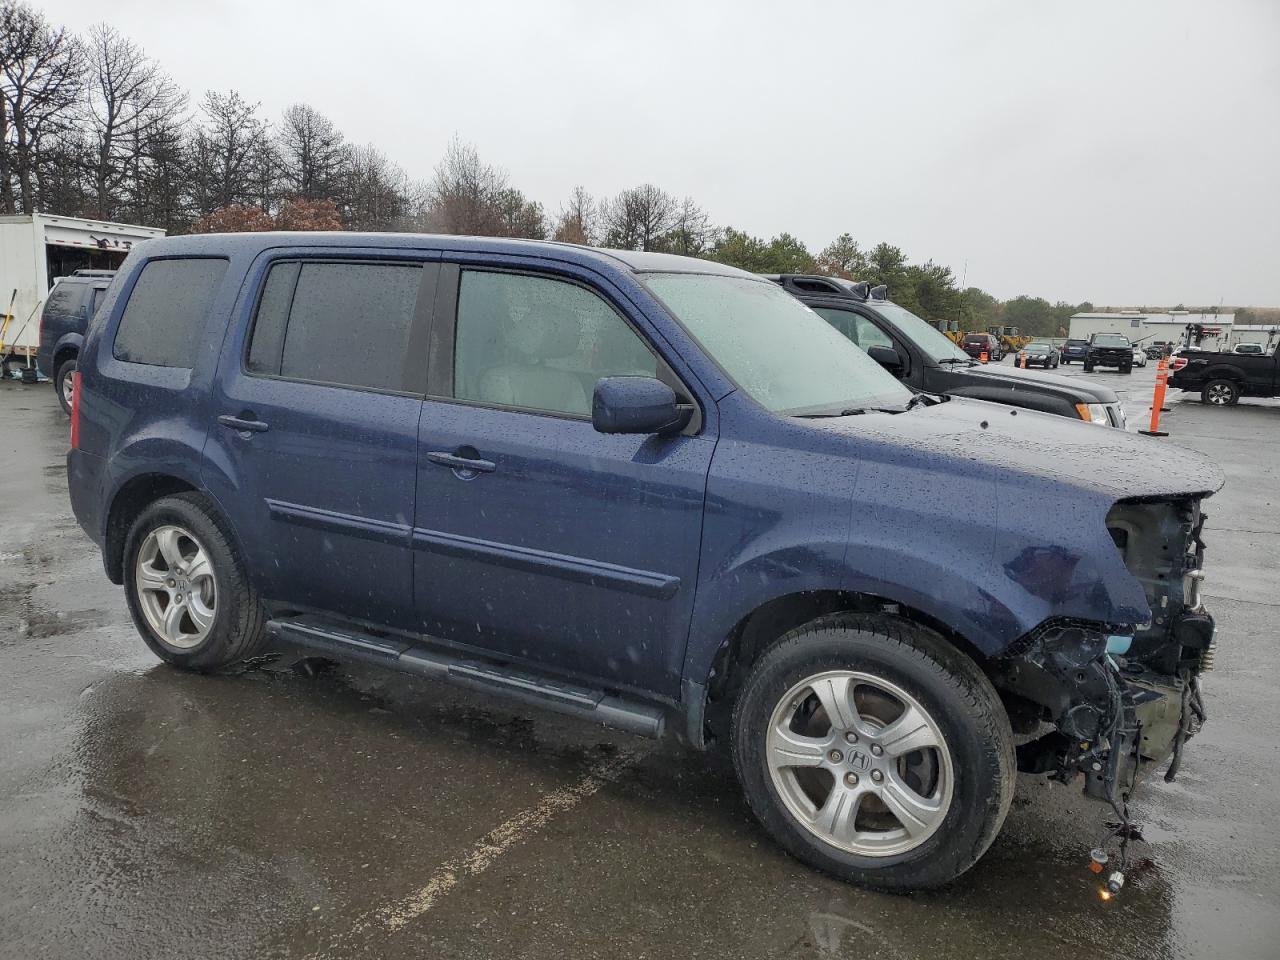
x: 1223, y: 378
x: 924, y: 359
x: 1109, y: 350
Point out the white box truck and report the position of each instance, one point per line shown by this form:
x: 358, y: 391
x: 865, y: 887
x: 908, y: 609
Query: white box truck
x: 35, y: 251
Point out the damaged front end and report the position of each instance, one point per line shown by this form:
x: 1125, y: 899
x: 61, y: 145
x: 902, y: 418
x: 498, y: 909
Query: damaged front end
x: 1121, y: 699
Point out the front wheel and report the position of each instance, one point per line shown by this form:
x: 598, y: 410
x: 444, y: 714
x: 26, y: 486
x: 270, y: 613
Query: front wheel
x: 1088, y: 367
x: 871, y: 749
x: 1220, y: 393
x: 187, y: 591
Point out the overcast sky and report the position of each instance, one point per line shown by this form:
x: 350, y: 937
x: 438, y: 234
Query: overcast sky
x: 1124, y: 152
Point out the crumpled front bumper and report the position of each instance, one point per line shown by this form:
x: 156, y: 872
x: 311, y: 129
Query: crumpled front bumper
x: 1114, y: 720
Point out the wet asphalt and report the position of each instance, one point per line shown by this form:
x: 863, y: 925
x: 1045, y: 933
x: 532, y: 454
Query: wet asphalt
x: 276, y: 812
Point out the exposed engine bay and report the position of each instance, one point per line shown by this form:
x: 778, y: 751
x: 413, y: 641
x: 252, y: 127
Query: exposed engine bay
x: 1121, y: 699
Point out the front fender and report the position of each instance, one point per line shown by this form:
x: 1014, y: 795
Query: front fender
x: 977, y: 541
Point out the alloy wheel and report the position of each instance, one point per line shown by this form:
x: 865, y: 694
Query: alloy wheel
x: 176, y: 586
x: 860, y: 763
x: 1220, y: 393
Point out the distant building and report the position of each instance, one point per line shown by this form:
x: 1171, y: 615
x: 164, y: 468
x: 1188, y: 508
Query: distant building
x: 1152, y: 327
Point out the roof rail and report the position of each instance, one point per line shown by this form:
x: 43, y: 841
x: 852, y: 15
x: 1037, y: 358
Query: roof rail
x: 93, y: 273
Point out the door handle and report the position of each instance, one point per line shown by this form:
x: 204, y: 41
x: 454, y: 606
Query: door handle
x: 455, y: 462
x: 237, y: 423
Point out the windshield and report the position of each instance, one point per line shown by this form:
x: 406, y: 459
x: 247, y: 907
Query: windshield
x: 1039, y: 345
x: 920, y: 332
x: 1110, y: 340
x: 786, y: 357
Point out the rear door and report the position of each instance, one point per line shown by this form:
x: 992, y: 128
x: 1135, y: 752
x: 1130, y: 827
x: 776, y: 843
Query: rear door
x: 538, y: 539
x: 315, y: 430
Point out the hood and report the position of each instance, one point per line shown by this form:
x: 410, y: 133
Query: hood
x: 1110, y: 462
x: 1048, y: 381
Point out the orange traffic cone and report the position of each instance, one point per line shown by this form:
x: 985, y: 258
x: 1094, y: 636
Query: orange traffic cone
x: 1157, y: 402
x: 1023, y: 361
x: 983, y: 356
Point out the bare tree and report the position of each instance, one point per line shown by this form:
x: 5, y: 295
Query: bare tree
x: 640, y: 218
x: 691, y: 234
x: 129, y: 98
x: 41, y: 74
x: 227, y: 153
x: 159, y: 187
x: 465, y: 193
x: 312, y: 153
x: 377, y: 194
x: 578, y: 221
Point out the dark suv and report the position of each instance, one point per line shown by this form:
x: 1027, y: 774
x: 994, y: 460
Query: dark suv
x: 651, y: 491
x: 70, y: 306
x: 922, y: 358
x: 1074, y: 350
x: 976, y: 344
x: 1109, y: 350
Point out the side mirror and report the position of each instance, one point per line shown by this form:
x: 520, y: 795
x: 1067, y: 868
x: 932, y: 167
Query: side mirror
x: 637, y: 405
x: 887, y: 357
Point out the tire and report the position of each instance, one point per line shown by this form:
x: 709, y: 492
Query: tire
x: 1088, y: 367
x: 224, y: 620
x: 1220, y: 393
x: 964, y: 777
x: 62, y: 383
x: 1128, y: 369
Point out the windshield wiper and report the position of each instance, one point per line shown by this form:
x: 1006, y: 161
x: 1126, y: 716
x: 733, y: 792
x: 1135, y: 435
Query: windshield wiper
x: 919, y: 398
x: 850, y: 412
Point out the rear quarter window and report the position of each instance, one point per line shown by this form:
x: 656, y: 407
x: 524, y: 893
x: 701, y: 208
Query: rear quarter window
x: 164, y: 319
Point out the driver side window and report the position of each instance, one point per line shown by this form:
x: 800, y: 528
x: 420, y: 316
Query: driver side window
x: 855, y: 327
x: 536, y: 343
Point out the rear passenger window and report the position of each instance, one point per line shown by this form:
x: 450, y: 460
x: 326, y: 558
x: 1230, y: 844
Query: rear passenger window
x: 340, y: 323
x: 164, y: 318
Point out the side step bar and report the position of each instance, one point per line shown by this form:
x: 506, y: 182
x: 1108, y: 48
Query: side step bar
x: 400, y: 654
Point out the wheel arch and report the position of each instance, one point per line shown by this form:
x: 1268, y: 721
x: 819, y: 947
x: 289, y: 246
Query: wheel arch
x: 1223, y: 372
x: 135, y: 495
x: 755, y: 632
x: 68, y: 346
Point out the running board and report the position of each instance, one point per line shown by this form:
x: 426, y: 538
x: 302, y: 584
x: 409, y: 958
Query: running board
x: 401, y: 654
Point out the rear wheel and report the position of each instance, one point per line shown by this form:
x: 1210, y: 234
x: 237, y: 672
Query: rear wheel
x: 1220, y: 393
x: 1088, y: 367
x: 1128, y: 369
x: 871, y: 749
x: 188, y: 593
x: 64, y: 383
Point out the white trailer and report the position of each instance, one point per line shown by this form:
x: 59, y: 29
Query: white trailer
x: 35, y: 251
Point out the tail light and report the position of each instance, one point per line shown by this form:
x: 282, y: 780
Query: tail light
x: 1177, y: 363
x: 75, y: 410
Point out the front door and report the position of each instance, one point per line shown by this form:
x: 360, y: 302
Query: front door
x: 315, y: 437
x: 538, y: 539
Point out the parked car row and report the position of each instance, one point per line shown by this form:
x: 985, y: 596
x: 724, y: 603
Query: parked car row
x: 658, y: 493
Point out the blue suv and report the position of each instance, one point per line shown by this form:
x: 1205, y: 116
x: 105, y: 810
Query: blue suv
x: 653, y: 491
